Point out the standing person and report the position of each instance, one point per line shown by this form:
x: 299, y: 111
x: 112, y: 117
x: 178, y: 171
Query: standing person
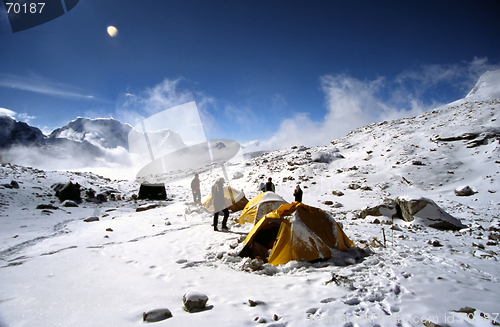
x: 262, y: 186
x: 195, y: 187
x: 219, y: 203
x: 270, y: 185
x: 297, y: 193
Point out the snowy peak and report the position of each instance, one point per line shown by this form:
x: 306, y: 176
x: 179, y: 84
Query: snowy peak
x: 13, y: 132
x: 107, y: 133
x: 488, y: 86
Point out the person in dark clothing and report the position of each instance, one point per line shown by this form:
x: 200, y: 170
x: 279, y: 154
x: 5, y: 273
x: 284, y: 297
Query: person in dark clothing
x: 297, y: 193
x: 219, y: 203
x: 270, y: 185
x: 195, y: 187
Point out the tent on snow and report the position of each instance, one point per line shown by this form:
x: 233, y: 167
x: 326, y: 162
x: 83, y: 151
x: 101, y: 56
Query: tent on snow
x: 69, y: 191
x: 229, y: 193
x: 295, y: 232
x: 152, y: 191
x: 260, y: 206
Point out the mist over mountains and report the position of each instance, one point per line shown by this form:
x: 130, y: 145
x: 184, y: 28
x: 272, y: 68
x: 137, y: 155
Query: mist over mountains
x: 104, y: 142
x: 81, y: 143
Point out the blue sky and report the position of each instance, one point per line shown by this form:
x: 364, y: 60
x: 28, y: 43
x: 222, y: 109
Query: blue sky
x: 281, y: 72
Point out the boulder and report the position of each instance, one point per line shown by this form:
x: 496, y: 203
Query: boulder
x: 387, y: 209
x: 237, y: 175
x: 464, y: 191
x: 426, y: 212
x: 354, y: 186
x: 47, y: 206
x: 325, y: 157
x: 69, y: 203
x: 91, y: 219
x: 146, y: 207
x: 156, y: 315
x: 194, y: 301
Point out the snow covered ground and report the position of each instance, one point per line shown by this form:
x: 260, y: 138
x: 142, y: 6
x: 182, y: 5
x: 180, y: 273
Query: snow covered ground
x: 57, y: 270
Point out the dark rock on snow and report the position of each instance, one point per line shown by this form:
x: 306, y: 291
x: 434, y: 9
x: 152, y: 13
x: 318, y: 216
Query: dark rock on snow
x: 156, y: 315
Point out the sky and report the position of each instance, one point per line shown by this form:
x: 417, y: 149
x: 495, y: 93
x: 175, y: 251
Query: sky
x: 278, y: 72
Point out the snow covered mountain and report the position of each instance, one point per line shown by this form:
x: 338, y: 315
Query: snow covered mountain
x: 106, y: 133
x: 136, y: 256
x: 14, y: 133
x: 80, y: 143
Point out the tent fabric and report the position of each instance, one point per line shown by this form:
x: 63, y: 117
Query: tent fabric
x: 69, y: 191
x: 152, y: 191
x: 305, y: 233
x: 259, y: 206
x: 229, y: 194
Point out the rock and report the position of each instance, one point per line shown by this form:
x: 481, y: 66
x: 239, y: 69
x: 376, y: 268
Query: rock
x: 328, y: 203
x: 194, y: 301
x: 260, y: 320
x: 464, y: 191
x: 354, y: 186
x: 337, y: 205
x: 69, y: 203
x: 397, y: 228
x: 435, y: 243
x: 14, y: 184
x: 430, y: 324
x: 109, y: 229
x: 47, y: 206
x: 91, y: 219
x: 366, y: 188
x: 237, y: 175
x: 101, y: 197
x: 417, y: 163
x: 325, y: 157
x: 387, y: 209
x: 338, y: 193
x: 156, y: 315
x: 494, y: 236
x: 426, y: 212
x: 146, y: 207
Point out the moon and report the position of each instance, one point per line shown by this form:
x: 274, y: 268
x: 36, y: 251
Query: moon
x: 112, y: 31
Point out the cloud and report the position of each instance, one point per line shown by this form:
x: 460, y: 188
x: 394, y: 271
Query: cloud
x: 43, y: 86
x: 24, y: 117
x: 460, y: 76
x: 7, y: 112
x: 351, y: 103
x: 165, y: 95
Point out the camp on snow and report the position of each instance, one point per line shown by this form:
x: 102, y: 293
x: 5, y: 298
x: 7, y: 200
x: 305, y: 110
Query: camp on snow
x: 152, y: 191
x: 295, y: 232
x: 69, y: 191
x: 259, y: 206
x: 235, y: 200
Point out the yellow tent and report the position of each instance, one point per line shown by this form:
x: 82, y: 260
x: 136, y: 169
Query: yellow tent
x: 230, y: 194
x: 295, y: 232
x: 260, y: 206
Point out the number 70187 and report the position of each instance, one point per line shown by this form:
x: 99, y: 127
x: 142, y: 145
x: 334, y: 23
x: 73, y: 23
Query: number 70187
x: 25, y: 7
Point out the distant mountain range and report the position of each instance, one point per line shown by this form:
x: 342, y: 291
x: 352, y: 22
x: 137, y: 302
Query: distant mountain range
x: 82, y: 140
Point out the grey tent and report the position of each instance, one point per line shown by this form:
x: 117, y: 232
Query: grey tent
x: 69, y: 191
x: 152, y: 192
